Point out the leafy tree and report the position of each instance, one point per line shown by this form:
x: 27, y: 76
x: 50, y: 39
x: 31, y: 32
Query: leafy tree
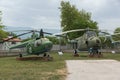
x: 110, y: 39
x: 3, y: 34
x: 1, y: 26
x: 55, y: 40
x: 116, y: 37
x: 72, y: 18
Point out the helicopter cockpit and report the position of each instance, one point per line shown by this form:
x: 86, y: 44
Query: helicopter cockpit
x: 90, y: 34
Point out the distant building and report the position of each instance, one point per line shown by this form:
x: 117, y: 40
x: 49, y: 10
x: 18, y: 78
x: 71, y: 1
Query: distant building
x: 11, y: 42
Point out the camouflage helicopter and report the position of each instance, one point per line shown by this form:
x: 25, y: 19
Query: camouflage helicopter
x: 87, y: 40
x: 36, y: 45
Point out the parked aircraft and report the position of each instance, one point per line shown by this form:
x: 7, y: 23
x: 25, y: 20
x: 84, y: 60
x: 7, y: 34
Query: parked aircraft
x: 86, y: 41
x: 36, y: 45
x: 89, y: 40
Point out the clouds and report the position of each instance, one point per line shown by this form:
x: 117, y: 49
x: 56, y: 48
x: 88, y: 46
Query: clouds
x: 105, y: 12
x: 45, y: 13
x: 42, y: 13
x: 109, y: 16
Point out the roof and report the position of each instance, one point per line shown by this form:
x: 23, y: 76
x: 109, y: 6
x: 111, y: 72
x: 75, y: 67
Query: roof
x: 12, y: 40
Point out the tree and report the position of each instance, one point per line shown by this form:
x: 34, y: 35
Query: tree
x: 1, y: 26
x: 116, y: 37
x: 72, y: 18
x: 3, y: 33
x: 55, y: 40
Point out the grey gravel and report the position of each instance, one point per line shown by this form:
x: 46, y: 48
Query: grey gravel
x: 93, y: 70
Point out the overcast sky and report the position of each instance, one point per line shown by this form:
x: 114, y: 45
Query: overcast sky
x: 45, y: 13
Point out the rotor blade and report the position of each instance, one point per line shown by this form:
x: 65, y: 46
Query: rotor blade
x: 19, y: 30
x: 44, y: 32
x: 76, y: 30
x: 34, y: 30
x: 48, y: 33
x: 115, y: 34
x: 16, y: 36
x: 105, y: 33
x: 89, y: 29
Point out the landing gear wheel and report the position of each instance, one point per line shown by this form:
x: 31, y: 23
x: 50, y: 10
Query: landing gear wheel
x: 48, y: 55
x: 44, y: 55
x: 20, y: 55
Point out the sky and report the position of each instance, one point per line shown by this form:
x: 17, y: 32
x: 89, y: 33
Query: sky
x: 46, y: 13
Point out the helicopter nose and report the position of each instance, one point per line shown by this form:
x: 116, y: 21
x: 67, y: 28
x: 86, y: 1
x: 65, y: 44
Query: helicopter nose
x: 48, y: 45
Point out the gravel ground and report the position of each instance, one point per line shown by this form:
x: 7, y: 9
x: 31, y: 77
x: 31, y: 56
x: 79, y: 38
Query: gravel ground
x: 93, y: 70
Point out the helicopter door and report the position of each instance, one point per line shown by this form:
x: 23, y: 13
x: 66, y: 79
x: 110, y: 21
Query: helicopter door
x: 29, y: 49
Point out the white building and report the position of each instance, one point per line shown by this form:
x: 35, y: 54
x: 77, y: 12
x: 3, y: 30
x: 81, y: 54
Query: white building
x: 11, y: 42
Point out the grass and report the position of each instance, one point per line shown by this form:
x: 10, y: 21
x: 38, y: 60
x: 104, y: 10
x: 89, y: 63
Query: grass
x: 12, y: 69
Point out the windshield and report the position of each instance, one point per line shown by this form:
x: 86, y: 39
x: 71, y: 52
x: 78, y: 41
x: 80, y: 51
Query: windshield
x: 90, y: 34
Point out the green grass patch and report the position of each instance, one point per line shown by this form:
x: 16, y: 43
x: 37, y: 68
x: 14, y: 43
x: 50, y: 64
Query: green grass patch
x: 12, y: 69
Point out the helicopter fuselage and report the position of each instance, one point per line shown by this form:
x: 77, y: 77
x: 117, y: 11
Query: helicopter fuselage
x: 39, y: 46
x: 88, y: 40
x: 34, y: 46
x: 89, y: 43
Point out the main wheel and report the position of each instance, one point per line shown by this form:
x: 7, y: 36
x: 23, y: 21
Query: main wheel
x: 44, y: 55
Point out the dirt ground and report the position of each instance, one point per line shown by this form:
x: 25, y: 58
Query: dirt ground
x: 93, y: 70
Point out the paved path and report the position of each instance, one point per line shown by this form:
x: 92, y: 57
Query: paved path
x: 93, y: 70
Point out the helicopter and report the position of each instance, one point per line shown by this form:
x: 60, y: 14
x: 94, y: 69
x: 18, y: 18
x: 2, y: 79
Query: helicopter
x: 36, y: 45
x: 87, y: 40
x: 90, y: 41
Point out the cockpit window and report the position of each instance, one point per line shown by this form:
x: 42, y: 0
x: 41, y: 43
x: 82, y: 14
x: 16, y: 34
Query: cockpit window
x: 90, y: 34
x: 45, y: 39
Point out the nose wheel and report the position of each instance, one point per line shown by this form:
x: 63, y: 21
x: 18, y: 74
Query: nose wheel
x: 46, y: 57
